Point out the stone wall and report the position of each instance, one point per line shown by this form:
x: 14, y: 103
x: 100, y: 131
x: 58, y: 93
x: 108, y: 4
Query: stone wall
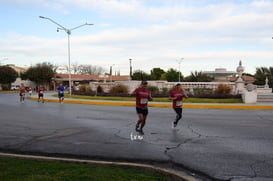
x: 132, y: 85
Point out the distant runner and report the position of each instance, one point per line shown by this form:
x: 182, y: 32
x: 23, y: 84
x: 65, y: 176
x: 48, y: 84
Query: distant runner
x: 143, y: 95
x: 30, y: 91
x: 41, y: 91
x: 177, y: 95
x: 22, y: 93
x: 60, y: 90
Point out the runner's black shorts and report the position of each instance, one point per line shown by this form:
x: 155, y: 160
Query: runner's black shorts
x: 143, y: 111
x: 178, y: 110
x: 41, y: 95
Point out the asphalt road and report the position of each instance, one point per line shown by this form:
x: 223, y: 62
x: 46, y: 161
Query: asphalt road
x: 232, y: 145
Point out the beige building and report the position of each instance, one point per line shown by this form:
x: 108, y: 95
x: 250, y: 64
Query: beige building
x: 18, y: 81
x: 19, y: 70
x: 221, y: 74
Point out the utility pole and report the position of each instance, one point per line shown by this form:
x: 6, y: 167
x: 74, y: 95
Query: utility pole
x: 111, y: 71
x: 179, y: 74
x: 130, y: 61
x: 272, y: 80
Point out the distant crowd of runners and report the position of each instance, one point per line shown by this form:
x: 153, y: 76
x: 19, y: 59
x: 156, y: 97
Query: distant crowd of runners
x: 142, y: 94
x: 40, y: 91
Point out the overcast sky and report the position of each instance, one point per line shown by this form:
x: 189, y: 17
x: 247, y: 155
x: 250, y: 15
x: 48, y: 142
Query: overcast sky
x: 206, y: 34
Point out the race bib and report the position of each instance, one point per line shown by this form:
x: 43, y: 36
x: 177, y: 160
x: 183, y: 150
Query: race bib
x: 41, y: 92
x: 61, y: 92
x: 179, y: 103
x: 143, y: 101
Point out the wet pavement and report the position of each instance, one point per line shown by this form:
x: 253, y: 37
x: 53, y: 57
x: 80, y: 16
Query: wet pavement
x: 215, y: 144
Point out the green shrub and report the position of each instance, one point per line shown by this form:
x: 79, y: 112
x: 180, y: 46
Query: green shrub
x: 223, y: 89
x: 88, y: 89
x: 5, y: 86
x: 100, y: 89
x: 153, y: 89
x: 164, y: 90
x: 82, y: 88
x: 120, y: 88
x: 202, y: 91
x: 85, y: 88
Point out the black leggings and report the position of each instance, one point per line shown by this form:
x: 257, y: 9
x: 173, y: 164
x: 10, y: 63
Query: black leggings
x: 178, y: 114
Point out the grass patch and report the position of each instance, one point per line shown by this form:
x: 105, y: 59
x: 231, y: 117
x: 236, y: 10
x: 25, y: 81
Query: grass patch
x: 213, y: 100
x: 15, y: 91
x: 14, y: 169
x: 158, y: 99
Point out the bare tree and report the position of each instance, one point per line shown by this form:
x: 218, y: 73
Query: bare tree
x: 74, y: 67
x: 83, y: 69
x: 55, y: 68
x: 91, y: 69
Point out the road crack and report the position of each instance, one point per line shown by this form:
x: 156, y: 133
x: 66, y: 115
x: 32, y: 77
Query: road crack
x: 55, y: 135
x: 252, y: 166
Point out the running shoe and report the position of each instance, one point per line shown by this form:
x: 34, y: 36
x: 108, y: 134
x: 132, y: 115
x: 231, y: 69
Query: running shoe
x: 174, y: 125
x: 141, y: 131
x: 137, y: 125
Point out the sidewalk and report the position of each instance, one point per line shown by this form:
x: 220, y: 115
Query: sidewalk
x: 50, y: 98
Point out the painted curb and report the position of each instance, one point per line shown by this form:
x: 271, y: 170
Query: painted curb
x: 71, y: 160
x: 194, y: 106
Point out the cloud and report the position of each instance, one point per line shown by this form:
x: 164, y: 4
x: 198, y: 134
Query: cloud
x: 157, y: 32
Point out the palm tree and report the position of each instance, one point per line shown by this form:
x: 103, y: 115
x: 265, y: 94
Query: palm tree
x: 261, y: 74
x: 198, y: 77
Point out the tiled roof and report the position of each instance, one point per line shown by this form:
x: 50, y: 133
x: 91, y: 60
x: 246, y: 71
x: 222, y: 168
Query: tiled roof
x: 247, y: 79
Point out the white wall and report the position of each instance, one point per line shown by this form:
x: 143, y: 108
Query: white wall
x: 132, y: 85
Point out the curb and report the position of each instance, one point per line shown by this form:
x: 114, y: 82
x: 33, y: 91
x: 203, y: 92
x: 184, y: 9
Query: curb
x: 164, y: 105
x: 71, y: 160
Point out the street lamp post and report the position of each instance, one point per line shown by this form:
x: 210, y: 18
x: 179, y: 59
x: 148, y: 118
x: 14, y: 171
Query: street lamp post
x: 179, y: 75
x: 68, y: 32
x: 130, y: 61
x: 272, y: 83
x: 111, y: 67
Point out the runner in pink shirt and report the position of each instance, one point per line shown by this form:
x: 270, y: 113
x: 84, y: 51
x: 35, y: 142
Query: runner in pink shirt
x: 30, y: 91
x: 143, y: 95
x: 22, y: 93
x: 41, y: 91
x: 177, y: 95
